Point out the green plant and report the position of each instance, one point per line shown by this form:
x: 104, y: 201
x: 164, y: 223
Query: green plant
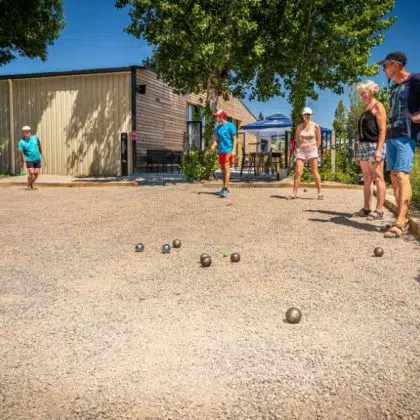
x: 199, y: 165
x: 415, y: 180
x: 306, y: 175
x: 346, y: 171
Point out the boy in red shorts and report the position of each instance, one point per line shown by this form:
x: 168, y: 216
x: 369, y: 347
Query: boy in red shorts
x: 226, y: 141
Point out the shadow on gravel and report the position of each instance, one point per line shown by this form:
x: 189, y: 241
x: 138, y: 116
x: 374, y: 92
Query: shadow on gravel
x: 332, y: 213
x: 285, y: 197
x: 207, y: 193
x: 349, y: 222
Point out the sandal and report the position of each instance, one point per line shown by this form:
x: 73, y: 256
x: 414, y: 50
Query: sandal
x: 375, y: 215
x: 320, y: 196
x: 362, y: 213
x: 396, y: 231
x: 292, y: 196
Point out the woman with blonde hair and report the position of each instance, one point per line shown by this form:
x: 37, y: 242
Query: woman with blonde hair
x: 308, y: 140
x: 370, y: 149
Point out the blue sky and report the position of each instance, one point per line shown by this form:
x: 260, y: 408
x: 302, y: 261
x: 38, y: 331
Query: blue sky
x: 93, y: 37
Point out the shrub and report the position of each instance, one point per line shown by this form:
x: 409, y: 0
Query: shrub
x: 199, y: 165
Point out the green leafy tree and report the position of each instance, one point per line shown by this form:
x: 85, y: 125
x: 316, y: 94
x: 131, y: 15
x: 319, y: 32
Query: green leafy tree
x: 27, y: 27
x: 326, y: 44
x: 384, y: 94
x: 339, y: 123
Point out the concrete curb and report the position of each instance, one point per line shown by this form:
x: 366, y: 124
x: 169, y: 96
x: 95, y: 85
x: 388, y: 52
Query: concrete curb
x: 413, y: 223
x: 72, y: 184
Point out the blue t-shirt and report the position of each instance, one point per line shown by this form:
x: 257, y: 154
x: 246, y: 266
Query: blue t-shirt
x: 29, y: 148
x: 225, y: 133
x: 405, y: 101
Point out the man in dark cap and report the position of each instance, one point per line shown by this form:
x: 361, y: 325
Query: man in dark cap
x: 403, y: 133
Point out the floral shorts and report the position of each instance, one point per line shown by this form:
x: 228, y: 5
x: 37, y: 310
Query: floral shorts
x: 367, y: 151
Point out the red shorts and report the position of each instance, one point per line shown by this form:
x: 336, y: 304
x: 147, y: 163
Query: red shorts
x: 226, y: 158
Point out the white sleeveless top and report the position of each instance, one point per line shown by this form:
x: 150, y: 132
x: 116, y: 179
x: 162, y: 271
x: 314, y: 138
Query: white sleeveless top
x: 307, y: 139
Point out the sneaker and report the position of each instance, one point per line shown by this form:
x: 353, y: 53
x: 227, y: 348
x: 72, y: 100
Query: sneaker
x: 221, y: 191
x: 225, y: 193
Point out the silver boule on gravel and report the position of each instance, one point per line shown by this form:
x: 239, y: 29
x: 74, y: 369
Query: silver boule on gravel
x: 235, y: 257
x: 378, y: 252
x: 204, y: 255
x: 166, y: 249
x: 206, y: 262
x: 176, y: 243
x: 139, y: 247
x: 293, y: 315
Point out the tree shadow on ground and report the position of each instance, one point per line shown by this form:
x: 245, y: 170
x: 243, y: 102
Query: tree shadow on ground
x: 285, y: 197
x: 343, y: 221
x: 329, y: 212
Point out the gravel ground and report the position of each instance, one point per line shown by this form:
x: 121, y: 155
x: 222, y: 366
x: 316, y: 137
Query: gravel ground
x: 89, y: 329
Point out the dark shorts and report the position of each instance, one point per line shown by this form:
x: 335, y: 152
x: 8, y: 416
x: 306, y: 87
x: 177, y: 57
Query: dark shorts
x: 36, y: 164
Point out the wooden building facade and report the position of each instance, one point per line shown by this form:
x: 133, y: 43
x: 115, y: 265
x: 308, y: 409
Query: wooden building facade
x: 101, y: 122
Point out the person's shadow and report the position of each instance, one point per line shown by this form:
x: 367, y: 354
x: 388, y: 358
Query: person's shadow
x: 344, y: 219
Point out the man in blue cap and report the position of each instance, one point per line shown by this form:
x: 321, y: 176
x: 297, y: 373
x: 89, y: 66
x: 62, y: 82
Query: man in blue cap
x: 403, y: 133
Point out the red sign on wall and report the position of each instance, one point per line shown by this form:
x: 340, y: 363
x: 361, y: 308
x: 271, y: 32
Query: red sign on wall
x: 133, y: 135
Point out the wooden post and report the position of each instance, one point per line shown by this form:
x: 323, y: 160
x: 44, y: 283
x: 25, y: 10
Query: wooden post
x: 333, y: 153
x: 12, y: 143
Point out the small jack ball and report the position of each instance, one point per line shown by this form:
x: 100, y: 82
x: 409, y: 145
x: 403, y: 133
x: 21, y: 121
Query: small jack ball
x: 378, y: 252
x: 166, y: 249
x: 235, y: 257
x: 202, y: 256
x: 176, y: 243
x: 206, y: 262
x: 293, y: 316
x: 139, y: 248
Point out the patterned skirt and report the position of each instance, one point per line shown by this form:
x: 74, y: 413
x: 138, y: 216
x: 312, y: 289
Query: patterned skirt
x: 367, y: 151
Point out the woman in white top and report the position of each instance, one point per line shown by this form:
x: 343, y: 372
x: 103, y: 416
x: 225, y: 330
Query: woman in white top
x: 308, y: 140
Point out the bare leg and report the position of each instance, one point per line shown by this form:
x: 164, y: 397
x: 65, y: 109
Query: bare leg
x: 396, y: 187
x: 367, y: 183
x: 35, y: 176
x: 313, y: 163
x: 405, y: 194
x: 226, y: 176
x: 298, y: 174
x: 378, y: 176
x: 222, y: 167
x: 30, y: 177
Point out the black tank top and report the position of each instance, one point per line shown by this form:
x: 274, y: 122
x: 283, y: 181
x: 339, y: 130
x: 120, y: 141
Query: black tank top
x: 368, y: 128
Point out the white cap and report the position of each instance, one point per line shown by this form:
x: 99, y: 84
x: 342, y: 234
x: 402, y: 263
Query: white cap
x: 26, y: 128
x: 307, y: 110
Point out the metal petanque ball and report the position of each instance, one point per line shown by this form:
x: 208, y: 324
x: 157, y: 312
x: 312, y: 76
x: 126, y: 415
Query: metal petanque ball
x: 293, y: 316
x: 176, y: 243
x: 166, y: 249
x: 206, y: 262
x: 202, y: 256
x: 139, y: 247
x: 235, y: 257
x: 378, y: 252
